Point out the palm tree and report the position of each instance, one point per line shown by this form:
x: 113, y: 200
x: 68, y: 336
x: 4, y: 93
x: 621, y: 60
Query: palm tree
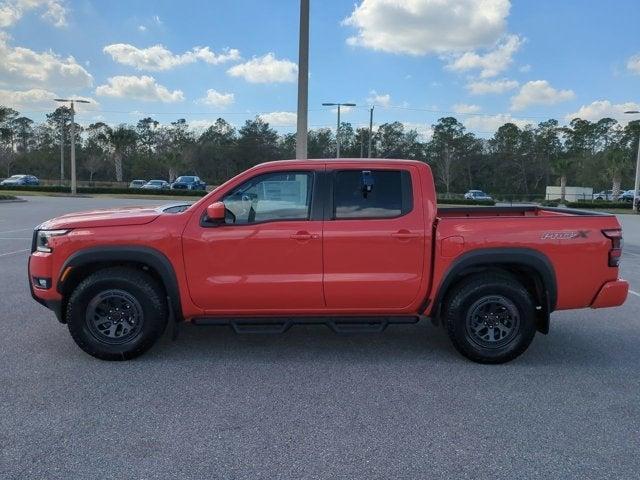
x: 617, y: 161
x: 561, y: 167
x: 121, y: 140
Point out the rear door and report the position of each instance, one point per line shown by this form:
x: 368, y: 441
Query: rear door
x: 374, y: 238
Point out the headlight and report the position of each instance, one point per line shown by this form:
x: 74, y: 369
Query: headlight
x: 42, y: 239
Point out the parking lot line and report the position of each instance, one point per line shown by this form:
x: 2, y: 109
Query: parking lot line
x: 18, y: 230
x: 634, y: 293
x: 12, y: 253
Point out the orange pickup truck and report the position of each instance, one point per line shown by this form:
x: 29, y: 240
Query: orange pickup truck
x: 353, y: 244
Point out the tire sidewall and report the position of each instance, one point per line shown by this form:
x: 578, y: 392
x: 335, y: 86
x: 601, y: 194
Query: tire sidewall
x: 152, y: 311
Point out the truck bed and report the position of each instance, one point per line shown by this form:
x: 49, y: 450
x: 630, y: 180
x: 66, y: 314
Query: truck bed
x: 514, y: 211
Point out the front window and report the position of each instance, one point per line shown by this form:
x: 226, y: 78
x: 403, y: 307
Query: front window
x: 270, y: 197
x: 185, y: 179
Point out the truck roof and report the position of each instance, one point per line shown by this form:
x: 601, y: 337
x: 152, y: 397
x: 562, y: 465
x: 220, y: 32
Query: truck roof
x: 338, y: 161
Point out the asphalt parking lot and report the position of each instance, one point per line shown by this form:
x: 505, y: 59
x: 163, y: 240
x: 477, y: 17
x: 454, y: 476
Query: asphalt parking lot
x: 309, y: 403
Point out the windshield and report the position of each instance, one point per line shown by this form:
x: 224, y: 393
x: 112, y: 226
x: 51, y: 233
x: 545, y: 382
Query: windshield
x: 185, y: 179
x: 16, y: 177
x: 156, y: 182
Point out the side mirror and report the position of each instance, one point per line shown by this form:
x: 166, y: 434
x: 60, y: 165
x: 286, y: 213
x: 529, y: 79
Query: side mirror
x: 216, y: 212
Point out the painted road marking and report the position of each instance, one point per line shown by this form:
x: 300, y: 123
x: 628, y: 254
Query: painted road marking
x: 12, y: 253
x: 15, y: 238
x: 19, y: 230
x: 634, y: 293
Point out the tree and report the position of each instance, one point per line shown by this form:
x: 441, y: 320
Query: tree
x: 122, y: 141
x: 561, y: 167
x: 617, y: 161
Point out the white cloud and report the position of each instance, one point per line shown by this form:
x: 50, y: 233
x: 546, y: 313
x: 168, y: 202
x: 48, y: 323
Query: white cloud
x: 217, y: 99
x: 138, y: 88
x: 343, y: 109
x: 39, y: 98
x: 266, y: 69
x: 604, y: 108
x: 376, y: 98
x: 466, y: 108
x: 283, y: 119
x: 157, y: 57
x: 539, y: 92
x: 633, y: 64
x: 142, y: 28
x: 424, y: 131
x: 27, y: 68
x: 418, y: 27
x: 496, y: 86
x: 525, y: 68
x: 490, y: 64
x: 53, y: 11
x: 490, y: 123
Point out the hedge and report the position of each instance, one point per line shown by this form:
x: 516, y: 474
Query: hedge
x: 127, y: 191
x: 465, y: 201
x: 598, y: 205
x: 7, y: 197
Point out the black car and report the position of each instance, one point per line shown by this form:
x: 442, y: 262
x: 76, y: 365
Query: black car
x: 188, y: 182
x: 20, y: 180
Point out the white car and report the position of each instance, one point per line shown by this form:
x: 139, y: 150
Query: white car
x: 156, y: 185
x: 477, y: 195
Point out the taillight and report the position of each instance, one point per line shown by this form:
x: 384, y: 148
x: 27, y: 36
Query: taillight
x: 616, y: 246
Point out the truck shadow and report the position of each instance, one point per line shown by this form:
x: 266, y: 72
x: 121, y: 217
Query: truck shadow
x: 566, y: 346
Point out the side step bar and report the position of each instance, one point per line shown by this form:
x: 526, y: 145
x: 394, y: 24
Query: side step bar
x: 281, y: 325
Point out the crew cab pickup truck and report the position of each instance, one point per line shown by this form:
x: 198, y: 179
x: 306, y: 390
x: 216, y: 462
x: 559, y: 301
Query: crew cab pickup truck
x: 354, y: 244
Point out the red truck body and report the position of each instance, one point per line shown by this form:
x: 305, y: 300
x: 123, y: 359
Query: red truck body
x: 320, y: 266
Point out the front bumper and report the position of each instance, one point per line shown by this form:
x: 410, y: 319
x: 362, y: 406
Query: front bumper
x: 612, y: 294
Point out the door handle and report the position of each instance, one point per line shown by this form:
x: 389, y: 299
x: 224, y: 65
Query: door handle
x: 304, y: 236
x: 405, y: 235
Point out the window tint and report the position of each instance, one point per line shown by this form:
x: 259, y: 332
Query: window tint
x: 372, y: 193
x: 273, y: 196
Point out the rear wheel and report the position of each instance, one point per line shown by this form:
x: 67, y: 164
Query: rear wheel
x: 117, y: 313
x: 490, y: 318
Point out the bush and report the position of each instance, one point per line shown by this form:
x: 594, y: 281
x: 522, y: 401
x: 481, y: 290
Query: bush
x: 464, y: 201
x: 598, y: 204
x: 7, y: 197
x: 549, y: 203
x: 114, y: 190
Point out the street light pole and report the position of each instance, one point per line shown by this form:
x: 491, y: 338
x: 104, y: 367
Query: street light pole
x: 61, y: 150
x: 370, y: 129
x: 636, y: 187
x: 303, y: 82
x: 74, y: 187
x: 338, y: 126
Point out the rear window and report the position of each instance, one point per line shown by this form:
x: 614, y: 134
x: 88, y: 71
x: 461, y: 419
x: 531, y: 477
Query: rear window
x: 371, y: 194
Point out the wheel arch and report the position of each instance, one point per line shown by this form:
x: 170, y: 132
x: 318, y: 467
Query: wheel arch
x: 86, y: 261
x: 530, y: 267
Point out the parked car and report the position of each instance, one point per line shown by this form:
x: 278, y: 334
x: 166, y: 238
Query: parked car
x: 605, y: 195
x: 477, y: 195
x: 20, y: 180
x: 355, y: 244
x: 156, y: 185
x: 627, y: 196
x: 137, y: 183
x: 188, y: 182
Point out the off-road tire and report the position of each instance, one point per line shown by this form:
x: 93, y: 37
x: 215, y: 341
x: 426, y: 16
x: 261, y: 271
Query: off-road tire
x: 467, y: 297
x: 135, y: 285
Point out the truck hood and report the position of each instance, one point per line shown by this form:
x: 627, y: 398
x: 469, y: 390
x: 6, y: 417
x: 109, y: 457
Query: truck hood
x: 113, y: 217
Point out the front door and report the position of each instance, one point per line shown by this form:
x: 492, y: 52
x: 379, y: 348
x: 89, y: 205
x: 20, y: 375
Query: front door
x: 266, y: 257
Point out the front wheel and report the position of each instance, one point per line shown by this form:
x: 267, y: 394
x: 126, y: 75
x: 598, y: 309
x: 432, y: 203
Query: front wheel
x: 117, y: 313
x: 490, y: 318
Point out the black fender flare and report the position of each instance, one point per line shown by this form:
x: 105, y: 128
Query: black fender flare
x: 495, y: 257
x: 151, y: 257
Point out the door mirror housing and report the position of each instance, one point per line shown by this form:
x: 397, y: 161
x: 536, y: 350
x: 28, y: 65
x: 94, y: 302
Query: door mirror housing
x: 216, y: 212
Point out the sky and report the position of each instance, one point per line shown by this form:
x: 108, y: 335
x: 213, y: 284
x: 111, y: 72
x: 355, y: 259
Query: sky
x: 485, y: 62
